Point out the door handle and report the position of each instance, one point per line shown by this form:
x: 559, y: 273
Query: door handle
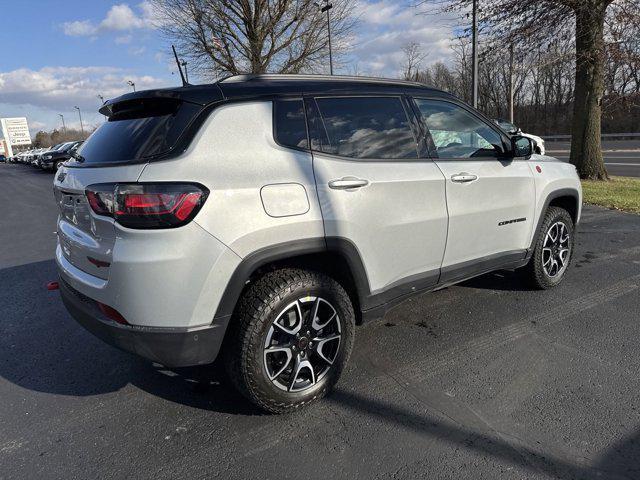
x: 348, y: 182
x: 463, y: 177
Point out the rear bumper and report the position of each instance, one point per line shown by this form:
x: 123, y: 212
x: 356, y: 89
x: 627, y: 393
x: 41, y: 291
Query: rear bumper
x: 172, y: 347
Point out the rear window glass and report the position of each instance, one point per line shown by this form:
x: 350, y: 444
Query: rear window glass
x: 290, y: 128
x: 366, y: 127
x: 136, y: 133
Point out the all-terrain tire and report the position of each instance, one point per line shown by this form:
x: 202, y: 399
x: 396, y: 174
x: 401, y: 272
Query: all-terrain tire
x: 257, y: 310
x: 535, y: 273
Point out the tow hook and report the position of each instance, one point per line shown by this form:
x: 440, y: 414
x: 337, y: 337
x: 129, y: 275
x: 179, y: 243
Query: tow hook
x: 53, y: 286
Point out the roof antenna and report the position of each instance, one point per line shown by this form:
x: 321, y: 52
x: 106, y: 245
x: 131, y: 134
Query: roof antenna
x: 184, y: 82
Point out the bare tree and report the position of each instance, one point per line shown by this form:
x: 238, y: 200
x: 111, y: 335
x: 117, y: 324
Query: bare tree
x: 222, y: 37
x: 413, y: 58
x: 539, y: 22
x: 55, y: 136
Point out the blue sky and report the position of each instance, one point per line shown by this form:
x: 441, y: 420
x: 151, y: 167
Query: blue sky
x: 58, y: 54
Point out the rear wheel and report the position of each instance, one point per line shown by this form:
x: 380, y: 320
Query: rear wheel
x: 290, y: 338
x: 552, y: 251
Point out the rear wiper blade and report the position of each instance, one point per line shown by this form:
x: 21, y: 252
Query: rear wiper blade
x: 79, y: 158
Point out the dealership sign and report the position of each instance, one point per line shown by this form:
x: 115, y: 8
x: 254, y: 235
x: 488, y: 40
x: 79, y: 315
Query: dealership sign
x: 16, y: 131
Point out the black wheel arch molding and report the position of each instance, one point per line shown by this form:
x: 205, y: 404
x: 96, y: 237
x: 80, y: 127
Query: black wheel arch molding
x: 567, y: 198
x: 293, y: 252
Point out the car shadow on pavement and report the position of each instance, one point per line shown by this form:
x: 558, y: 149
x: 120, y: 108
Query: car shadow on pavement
x: 620, y: 462
x: 44, y: 350
x: 504, y: 280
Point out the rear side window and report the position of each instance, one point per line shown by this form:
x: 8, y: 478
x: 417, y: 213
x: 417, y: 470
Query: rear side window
x: 290, y: 128
x: 365, y: 128
x: 138, y: 129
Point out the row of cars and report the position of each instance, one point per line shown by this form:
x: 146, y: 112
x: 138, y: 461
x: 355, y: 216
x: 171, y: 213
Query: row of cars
x: 47, y: 158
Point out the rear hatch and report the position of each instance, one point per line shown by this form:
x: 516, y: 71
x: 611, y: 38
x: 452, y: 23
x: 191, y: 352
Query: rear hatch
x: 87, y: 240
x: 137, y: 130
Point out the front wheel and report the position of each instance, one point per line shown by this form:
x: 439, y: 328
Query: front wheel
x: 290, y: 338
x: 552, y: 251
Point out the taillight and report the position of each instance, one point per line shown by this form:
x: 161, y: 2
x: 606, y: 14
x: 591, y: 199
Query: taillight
x: 147, y: 205
x: 112, y: 314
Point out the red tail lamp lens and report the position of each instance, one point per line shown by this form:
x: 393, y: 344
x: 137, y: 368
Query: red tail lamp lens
x: 112, y: 314
x: 101, y: 202
x: 160, y: 205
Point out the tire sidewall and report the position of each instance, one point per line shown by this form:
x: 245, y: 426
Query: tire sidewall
x: 553, y: 216
x: 261, y: 386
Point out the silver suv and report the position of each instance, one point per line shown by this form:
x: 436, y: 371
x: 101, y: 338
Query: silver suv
x: 266, y: 216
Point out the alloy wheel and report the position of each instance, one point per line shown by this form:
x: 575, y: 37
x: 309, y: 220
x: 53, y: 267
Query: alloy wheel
x: 556, y: 250
x: 302, y: 344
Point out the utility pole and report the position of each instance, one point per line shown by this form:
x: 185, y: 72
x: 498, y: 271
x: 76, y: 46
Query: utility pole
x: 325, y: 8
x: 64, y: 127
x: 474, y: 55
x: 80, y: 115
x: 511, y: 81
x: 186, y: 73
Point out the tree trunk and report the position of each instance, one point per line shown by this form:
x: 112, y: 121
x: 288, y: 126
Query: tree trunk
x: 586, y: 145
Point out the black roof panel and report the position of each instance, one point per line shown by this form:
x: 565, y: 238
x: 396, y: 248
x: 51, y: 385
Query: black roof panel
x: 241, y: 86
x: 247, y: 86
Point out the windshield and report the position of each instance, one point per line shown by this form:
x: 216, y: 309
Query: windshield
x: 507, y: 126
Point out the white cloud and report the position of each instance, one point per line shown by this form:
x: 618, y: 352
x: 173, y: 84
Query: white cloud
x: 42, y: 94
x: 137, y: 51
x: 122, y: 39
x: 120, y: 17
x: 79, y: 28
x: 388, y: 25
x: 36, y: 126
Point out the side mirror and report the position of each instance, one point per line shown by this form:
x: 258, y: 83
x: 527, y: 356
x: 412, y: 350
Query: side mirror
x: 521, y: 146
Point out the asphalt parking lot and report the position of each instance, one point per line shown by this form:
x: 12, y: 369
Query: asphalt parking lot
x: 483, y: 380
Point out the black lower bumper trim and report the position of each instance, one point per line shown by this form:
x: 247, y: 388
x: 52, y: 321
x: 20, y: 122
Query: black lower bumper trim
x: 172, y: 347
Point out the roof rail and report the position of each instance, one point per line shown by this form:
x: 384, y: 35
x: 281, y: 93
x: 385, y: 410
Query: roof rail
x: 333, y: 78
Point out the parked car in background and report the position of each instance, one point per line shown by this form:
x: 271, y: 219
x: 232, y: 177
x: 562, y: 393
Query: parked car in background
x: 3, y: 159
x: 52, y: 160
x: 273, y: 212
x: 35, y: 161
x: 35, y: 157
x: 26, y: 158
x: 511, y: 129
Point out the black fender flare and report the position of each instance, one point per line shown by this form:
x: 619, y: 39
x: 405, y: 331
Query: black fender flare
x: 562, y: 192
x: 291, y: 250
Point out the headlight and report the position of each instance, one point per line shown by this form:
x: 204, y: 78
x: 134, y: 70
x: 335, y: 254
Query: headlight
x: 47, y: 157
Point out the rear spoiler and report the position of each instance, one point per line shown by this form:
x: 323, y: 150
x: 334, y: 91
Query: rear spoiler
x: 196, y: 94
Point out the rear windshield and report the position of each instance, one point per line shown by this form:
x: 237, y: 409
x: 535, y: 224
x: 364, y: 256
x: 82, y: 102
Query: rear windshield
x: 138, y: 130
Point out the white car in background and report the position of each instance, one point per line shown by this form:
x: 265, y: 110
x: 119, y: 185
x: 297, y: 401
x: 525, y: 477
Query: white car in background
x: 511, y: 129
